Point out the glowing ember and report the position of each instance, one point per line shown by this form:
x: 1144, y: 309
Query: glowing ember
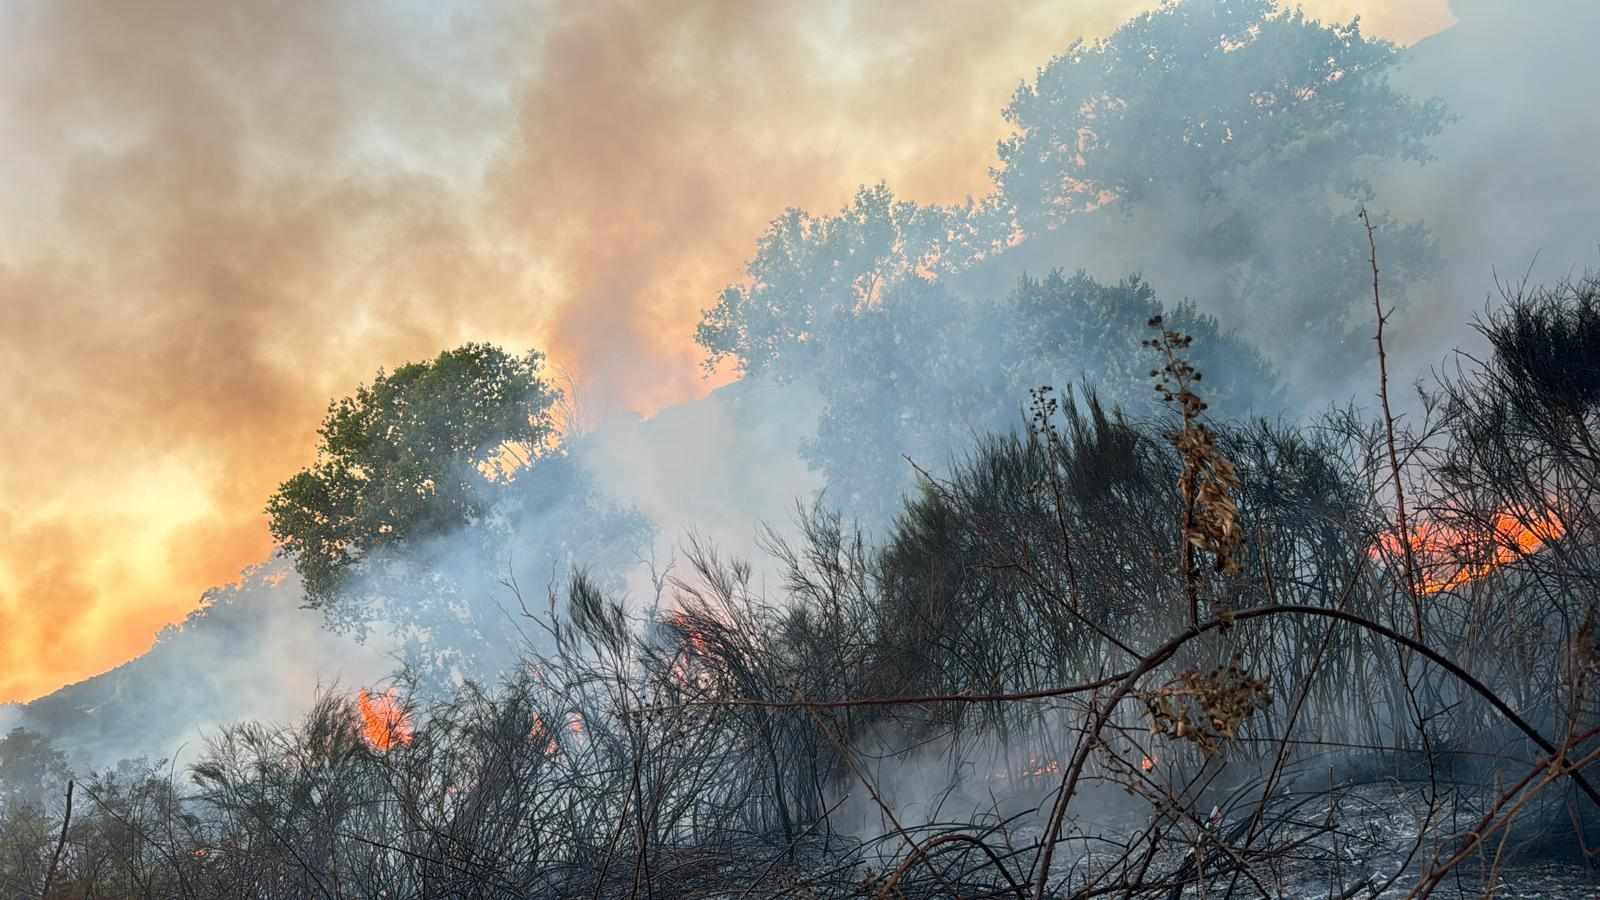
x: 1037, y: 766
x: 384, y: 722
x: 1451, y: 557
x: 1148, y: 763
x: 697, y: 639
x: 541, y: 733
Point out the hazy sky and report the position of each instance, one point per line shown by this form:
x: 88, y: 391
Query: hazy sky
x: 214, y: 217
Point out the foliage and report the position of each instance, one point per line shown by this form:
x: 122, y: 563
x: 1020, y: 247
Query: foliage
x: 410, y: 457
x: 712, y: 740
x: 31, y: 768
x: 812, y: 276
x: 1200, y: 98
x: 1220, y: 144
x: 912, y: 386
x: 1233, y: 138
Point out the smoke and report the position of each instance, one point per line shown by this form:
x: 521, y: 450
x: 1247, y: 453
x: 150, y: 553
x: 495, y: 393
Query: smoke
x: 226, y: 216
x: 1514, y: 189
x: 197, y: 257
x: 247, y: 652
x: 217, y: 217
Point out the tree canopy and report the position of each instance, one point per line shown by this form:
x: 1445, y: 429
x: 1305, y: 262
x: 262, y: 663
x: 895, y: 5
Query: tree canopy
x: 410, y: 456
x: 1199, y: 98
x: 1219, y: 147
x: 30, y: 766
x: 927, y: 371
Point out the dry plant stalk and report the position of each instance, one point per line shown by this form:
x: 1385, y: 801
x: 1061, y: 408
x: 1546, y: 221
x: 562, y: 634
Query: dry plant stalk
x: 1414, y: 582
x: 1209, y: 479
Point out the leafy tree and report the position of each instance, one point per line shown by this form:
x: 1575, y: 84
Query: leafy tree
x: 1217, y: 146
x: 1197, y: 97
x: 812, y: 275
x: 923, y: 372
x: 1234, y: 137
x: 410, y: 457
x: 1062, y: 329
x: 30, y: 766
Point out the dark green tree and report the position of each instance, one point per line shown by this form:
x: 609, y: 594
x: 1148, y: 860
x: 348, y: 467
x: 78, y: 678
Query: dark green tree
x: 415, y: 454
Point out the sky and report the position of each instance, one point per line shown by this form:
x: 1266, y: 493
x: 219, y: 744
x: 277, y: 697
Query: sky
x: 214, y: 218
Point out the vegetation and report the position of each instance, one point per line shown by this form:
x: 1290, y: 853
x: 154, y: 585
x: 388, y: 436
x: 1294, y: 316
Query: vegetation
x: 411, y: 457
x: 1031, y: 616
x: 1185, y: 647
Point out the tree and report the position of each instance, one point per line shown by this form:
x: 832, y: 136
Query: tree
x: 1224, y: 145
x: 30, y: 767
x: 923, y: 371
x: 812, y: 275
x: 1199, y: 97
x: 417, y: 453
x: 1219, y: 148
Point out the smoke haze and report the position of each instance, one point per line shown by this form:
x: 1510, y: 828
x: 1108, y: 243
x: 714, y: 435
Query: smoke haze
x: 215, y: 217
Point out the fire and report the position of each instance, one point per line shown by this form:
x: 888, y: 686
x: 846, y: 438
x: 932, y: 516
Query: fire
x: 1451, y: 557
x: 1148, y: 763
x: 1041, y: 766
x: 541, y: 733
x: 697, y: 639
x: 384, y: 721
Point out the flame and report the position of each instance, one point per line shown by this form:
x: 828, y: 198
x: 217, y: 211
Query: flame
x: 1035, y: 767
x: 1148, y: 763
x: 1041, y: 766
x: 384, y: 722
x: 1450, y: 557
x: 697, y: 639
x: 540, y: 732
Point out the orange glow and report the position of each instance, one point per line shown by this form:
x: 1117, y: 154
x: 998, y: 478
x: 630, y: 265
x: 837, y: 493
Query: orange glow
x: 541, y: 733
x: 1148, y: 763
x: 697, y: 639
x: 1450, y: 557
x: 384, y: 722
x: 92, y: 566
x: 1041, y: 766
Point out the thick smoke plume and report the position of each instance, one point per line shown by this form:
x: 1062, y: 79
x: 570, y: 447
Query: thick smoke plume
x: 216, y: 217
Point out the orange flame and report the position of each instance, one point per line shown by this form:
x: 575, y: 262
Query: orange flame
x: 541, y: 733
x: 1041, y: 766
x: 1450, y: 557
x: 697, y: 639
x: 384, y: 722
x: 1148, y: 763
